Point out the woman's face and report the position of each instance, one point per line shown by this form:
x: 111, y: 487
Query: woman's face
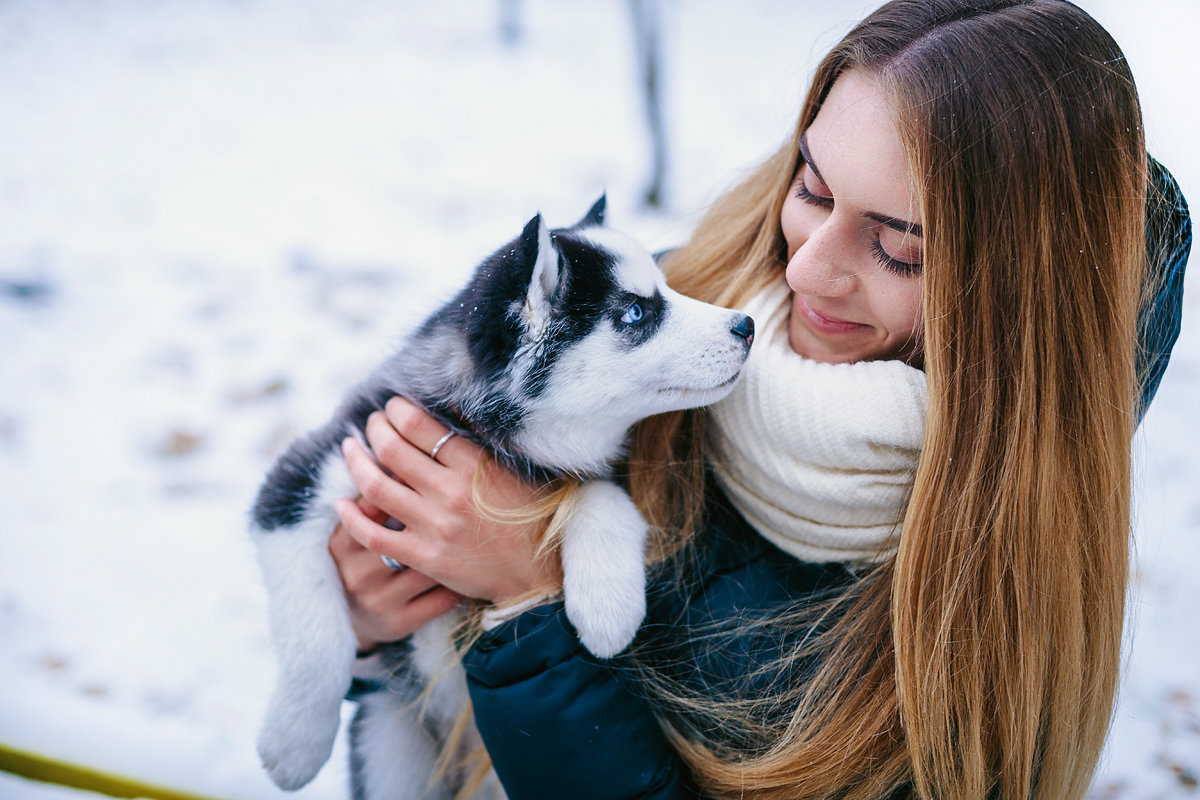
x: 853, y: 230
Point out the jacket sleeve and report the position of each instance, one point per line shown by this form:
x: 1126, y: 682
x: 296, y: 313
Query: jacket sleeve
x: 558, y: 723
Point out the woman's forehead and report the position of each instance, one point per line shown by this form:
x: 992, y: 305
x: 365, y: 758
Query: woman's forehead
x: 855, y: 145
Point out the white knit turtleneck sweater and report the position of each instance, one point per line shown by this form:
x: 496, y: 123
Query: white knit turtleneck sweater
x: 819, y: 458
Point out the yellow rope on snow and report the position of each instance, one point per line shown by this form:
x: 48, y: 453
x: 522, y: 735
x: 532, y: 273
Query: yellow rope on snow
x: 48, y: 770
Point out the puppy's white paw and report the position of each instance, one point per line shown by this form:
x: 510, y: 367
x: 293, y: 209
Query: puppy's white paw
x: 293, y: 754
x: 607, y: 614
x: 604, y: 574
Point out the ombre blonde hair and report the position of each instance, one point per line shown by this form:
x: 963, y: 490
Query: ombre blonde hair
x: 982, y: 660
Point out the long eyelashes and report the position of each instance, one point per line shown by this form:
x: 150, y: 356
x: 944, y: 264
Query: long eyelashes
x: 804, y: 194
x: 905, y: 268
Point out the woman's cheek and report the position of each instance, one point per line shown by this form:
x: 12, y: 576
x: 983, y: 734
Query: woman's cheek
x: 903, y: 305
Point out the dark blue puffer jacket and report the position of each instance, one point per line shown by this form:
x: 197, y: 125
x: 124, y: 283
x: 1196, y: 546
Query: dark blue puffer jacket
x: 560, y: 725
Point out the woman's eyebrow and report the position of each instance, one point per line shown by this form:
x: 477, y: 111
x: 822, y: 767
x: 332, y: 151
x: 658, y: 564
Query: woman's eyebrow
x: 895, y: 224
x: 807, y: 156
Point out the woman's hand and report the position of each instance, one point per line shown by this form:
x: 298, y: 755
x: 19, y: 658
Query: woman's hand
x: 386, y: 605
x: 445, y: 537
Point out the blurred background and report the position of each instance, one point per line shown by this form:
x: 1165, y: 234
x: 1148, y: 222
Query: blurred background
x: 216, y: 214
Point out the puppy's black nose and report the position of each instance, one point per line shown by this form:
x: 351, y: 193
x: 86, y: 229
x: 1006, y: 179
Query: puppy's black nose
x: 744, y: 329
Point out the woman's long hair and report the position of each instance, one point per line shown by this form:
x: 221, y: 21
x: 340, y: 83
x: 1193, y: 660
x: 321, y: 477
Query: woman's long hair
x: 982, y: 660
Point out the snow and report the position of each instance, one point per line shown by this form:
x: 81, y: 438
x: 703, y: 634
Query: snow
x: 216, y: 214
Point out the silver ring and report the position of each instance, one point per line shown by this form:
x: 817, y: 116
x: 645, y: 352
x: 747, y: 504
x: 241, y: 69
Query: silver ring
x: 433, y: 453
x: 391, y: 562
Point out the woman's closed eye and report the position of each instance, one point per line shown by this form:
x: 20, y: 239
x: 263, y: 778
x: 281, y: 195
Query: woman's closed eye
x: 897, y: 245
x: 819, y: 197
x: 904, y: 265
x: 893, y: 264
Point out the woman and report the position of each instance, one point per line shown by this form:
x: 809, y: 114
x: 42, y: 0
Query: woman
x: 967, y: 199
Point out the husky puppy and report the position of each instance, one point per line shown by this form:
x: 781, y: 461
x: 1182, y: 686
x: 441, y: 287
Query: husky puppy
x: 559, y: 343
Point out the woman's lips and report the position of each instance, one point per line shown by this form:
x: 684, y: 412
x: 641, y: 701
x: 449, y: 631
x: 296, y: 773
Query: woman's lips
x: 823, y: 324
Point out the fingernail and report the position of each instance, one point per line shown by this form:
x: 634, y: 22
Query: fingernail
x: 347, y: 444
x: 340, y: 506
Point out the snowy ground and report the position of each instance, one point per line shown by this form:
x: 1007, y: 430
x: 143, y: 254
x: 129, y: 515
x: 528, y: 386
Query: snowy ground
x: 215, y: 214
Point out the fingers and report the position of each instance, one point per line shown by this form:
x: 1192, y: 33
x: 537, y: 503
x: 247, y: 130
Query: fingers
x: 385, y: 604
x: 345, y: 550
x: 445, y: 536
x: 388, y: 590
x: 379, y: 490
x: 403, y: 459
x: 432, y: 604
x: 361, y: 570
x: 399, y: 476
x: 389, y: 621
x: 400, y: 545
x: 424, y: 432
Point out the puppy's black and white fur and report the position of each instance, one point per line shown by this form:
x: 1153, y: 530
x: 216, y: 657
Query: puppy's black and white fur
x: 559, y: 343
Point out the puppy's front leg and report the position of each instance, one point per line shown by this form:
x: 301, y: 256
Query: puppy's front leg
x: 604, y: 568
x: 313, y: 638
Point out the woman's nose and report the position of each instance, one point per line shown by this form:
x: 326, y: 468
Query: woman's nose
x: 818, y: 266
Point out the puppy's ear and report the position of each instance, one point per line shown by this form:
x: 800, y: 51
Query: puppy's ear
x: 594, y: 218
x: 538, y: 247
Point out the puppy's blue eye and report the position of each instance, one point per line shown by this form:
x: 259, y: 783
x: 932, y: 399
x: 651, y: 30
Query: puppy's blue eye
x: 633, y: 315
